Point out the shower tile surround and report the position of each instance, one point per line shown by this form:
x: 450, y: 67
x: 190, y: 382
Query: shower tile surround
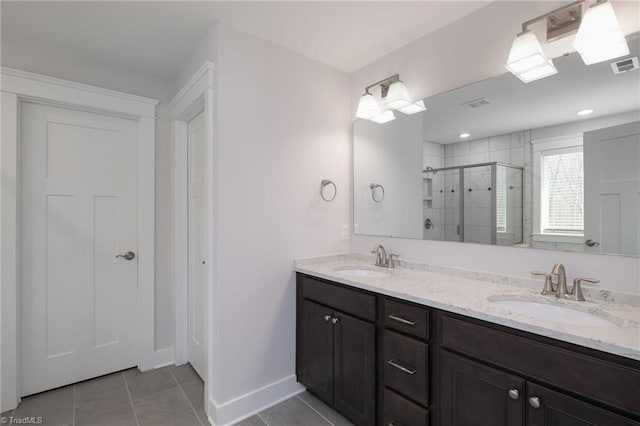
x: 465, y: 292
x: 513, y: 148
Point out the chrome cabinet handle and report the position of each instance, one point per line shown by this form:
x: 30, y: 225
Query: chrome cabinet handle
x: 327, y: 317
x: 334, y: 320
x: 401, y: 367
x: 402, y: 320
x: 393, y: 423
x: 128, y: 255
x: 514, y: 394
x: 534, y: 402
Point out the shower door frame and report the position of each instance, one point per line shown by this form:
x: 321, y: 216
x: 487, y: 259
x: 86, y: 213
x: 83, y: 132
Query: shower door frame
x: 494, y: 203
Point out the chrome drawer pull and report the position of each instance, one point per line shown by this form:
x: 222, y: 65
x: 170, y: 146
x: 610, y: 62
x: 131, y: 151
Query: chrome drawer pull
x: 402, y: 320
x: 401, y: 367
x: 393, y: 423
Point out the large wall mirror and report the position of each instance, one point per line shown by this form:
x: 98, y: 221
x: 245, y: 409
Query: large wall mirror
x: 553, y: 164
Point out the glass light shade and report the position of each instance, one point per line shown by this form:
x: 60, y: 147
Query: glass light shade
x: 599, y: 37
x: 527, y: 60
x: 368, y: 107
x: 413, y: 108
x: 383, y: 117
x: 397, y: 96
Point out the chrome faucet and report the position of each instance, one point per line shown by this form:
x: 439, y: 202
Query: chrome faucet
x: 560, y: 288
x: 382, y: 259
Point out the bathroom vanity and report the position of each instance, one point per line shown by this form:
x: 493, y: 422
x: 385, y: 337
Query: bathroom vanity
x: 406, y: 347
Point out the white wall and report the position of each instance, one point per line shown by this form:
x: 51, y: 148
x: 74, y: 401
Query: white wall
x: 283, y: 125
x: 390, y: 155
x: 106, y: 75
x: 472, y: 49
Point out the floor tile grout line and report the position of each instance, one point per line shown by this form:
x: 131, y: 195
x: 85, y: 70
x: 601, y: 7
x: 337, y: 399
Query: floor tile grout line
x: 317, y: 412
x: 133, y: 408
x: 186, y: 397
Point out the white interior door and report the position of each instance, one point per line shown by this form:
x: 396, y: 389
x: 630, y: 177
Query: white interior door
x: 612, y: 189
x: 197, y: 242
x: 78, y: 211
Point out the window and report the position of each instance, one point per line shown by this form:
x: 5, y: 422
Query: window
x: 562, y: 201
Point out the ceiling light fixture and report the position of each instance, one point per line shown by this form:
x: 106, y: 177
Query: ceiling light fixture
x: 600, y: 37
x: 584, y: 112
x: 393, y: 96
x: 464, y: 135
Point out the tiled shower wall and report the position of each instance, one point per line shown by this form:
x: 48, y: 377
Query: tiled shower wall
x: 442, y: 198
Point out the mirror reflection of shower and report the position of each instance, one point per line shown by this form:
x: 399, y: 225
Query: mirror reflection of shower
x: 478, y: 203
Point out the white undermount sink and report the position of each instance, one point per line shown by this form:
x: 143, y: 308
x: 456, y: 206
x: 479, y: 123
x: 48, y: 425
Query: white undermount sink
x: 554, y: 313
x: 363, y: 271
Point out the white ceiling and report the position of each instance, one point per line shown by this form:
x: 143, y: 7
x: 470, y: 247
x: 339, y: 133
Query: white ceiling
x: 157, y: 37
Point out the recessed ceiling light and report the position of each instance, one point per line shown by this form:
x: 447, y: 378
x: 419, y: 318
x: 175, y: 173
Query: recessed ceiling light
x: 584, y: 112
x: 464, y: 135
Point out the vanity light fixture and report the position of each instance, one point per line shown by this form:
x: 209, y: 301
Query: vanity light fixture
x: 383, y: 117
x: 397, y: 96
x: 414, y: 108
x: 368, y: 106
x: 583, y: 112
x: 393, y: 96
x: 600, y: 37
x: 464, y: 135
x: 527, y: 61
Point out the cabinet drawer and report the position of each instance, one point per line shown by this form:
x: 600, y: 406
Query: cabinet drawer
x: 582, y: 374
x: 406, y: 366
x: 399, y: 411
x: 407, y: 318
x: 352, y: 302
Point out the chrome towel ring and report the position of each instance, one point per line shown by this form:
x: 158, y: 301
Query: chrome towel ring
x: 323, y: 186
x: 373, y: 187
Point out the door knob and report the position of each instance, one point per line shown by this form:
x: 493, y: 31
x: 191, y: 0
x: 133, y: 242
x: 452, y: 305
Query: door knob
x: 128, y: 255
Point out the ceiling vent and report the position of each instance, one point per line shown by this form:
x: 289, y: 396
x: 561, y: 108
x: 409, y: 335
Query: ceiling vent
x: 477, y: 103
x: 628, y: 64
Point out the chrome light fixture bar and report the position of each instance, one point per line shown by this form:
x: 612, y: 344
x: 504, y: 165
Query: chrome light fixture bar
x: 394, y: 96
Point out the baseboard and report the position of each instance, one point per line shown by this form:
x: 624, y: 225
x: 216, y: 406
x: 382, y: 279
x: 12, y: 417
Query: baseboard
x: 245, y: 406
x: 163, y: 357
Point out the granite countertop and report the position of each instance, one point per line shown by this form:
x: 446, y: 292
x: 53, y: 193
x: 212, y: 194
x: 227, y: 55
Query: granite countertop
x: 449, y: 291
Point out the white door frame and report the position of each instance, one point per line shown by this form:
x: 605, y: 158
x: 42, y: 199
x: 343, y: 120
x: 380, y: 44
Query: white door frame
x: 18, y: 86
x: 195, y: 97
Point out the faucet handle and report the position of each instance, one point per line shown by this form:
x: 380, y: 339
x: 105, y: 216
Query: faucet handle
x: 576, y: 290
x: 391, y: 262
x: 547, y: 288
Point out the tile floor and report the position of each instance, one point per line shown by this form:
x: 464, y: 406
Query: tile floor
x: 170, y: 396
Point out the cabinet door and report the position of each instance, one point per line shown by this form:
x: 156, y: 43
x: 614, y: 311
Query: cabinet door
x: 474, y: 394
x: 549, y: 408
x: 354, y: 369
x: 317, y: 350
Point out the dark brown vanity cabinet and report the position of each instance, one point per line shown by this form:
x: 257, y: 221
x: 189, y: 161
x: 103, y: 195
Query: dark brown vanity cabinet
x: 405, y: 363
x: 336, y: 350
x: 382, y: 361
x: 503, y: 383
